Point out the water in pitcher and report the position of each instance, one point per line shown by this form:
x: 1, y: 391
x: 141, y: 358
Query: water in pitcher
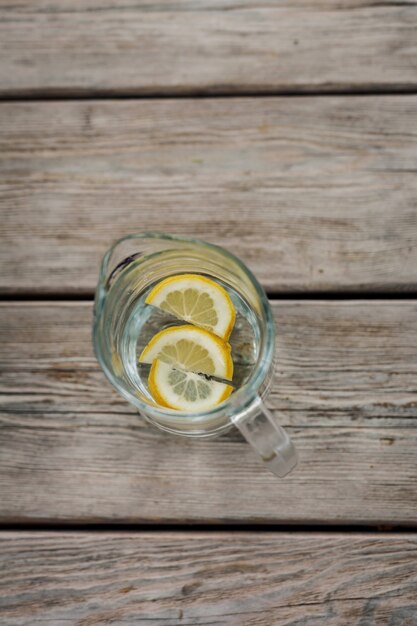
x: 140, y: 322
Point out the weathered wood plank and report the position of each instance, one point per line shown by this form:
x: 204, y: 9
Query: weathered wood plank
x: 314, y: 194
x: 208, y: 579
x: 91, y: 46
x: 72, y: 450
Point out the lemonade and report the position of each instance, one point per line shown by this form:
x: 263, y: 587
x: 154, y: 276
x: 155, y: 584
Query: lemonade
x: 196, y: 350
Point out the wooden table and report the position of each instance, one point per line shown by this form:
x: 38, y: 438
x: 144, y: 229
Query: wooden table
x: 287, y: 132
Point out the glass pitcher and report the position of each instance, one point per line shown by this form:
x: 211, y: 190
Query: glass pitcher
x: 128, y: 272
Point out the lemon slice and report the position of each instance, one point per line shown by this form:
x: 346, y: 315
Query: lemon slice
x: 196, y: 299
x: 184, y: 391
x: 192, y: 349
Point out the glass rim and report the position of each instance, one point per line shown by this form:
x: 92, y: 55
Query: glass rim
x: 239, y: 399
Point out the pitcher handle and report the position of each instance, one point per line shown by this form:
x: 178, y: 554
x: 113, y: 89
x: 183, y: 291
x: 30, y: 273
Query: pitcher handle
x: 270, y: 441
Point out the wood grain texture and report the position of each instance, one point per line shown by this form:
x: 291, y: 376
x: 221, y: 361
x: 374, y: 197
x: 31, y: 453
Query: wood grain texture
x: 72, y: 450
x: 208, y: 579
x: 315, y: 194
x: 200, y: 46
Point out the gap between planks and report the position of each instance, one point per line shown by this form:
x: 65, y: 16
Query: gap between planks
x: 91, y: 94
x: 65, y: 298
x: 215, y: 527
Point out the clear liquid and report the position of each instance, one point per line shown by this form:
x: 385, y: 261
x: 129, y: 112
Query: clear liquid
x: 144, y: 321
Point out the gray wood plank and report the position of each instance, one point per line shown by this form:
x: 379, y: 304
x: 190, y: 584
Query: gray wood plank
x: 315, y: 194
x: 72, y: 450
x: 208, y: 579
x: 90, y: 46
